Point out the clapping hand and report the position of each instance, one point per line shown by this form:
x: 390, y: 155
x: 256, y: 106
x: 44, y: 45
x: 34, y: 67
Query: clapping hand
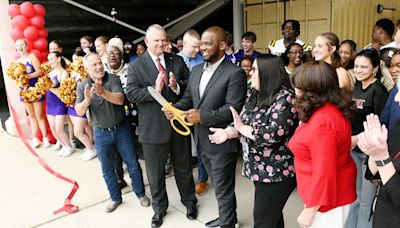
x: 97, y: 88
x: 219, y: 136
x: 373, y: 141
x: 88, y: 93
x: 172, y: 81
x: 160, y: 81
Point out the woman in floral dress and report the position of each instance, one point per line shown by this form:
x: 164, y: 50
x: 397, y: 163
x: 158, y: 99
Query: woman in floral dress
x: 265, y: 125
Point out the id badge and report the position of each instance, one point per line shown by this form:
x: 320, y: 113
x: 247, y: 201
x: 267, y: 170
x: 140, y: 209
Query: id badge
x: 245, y: 147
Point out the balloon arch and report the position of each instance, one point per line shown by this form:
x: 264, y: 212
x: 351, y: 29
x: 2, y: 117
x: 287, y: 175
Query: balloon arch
x: 28, y: 23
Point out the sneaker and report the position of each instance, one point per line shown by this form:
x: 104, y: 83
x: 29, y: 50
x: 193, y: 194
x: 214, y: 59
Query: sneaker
x: 61, y: 151
x: 215, y: 223
x: 73, y: 144
x: 46, y: 142
x: 88, y: 155
x: 35, y: 142
x: 68, y: 151
x: 201, y: 188
x: 144, y: 201
x: 57, y: 146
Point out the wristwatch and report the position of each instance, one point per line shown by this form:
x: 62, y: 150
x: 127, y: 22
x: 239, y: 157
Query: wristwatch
x: 381, y: 163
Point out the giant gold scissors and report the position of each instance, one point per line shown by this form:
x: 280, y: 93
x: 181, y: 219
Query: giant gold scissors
x: 178, y: 114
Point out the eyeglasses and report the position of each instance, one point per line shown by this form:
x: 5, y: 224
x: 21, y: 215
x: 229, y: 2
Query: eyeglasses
x: 296, y: 52
x: 113, y: 53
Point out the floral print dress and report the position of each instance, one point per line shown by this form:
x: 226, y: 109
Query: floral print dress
x: 268, y: 158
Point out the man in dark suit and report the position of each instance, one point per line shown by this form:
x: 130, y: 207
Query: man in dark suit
x: 168, y: 74
x: 213, y: 87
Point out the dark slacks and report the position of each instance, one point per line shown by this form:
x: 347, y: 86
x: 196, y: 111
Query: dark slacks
x: 155, y: 156
x: 221, y: 170
x: 269, y: 201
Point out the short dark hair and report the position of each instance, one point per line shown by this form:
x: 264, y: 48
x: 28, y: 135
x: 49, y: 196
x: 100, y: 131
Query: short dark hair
x: 386, y: 25
x: 272, y: 76
x: 285, y: 57
x: 319, y: 85
x: 249, y: 36
x: 229, y: 38
x: 351, y: 43
x: 386, y: 55
x: 295, y: 25
x: 353, y: 47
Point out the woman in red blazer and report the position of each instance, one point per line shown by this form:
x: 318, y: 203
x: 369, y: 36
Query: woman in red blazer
x: 326, y: 173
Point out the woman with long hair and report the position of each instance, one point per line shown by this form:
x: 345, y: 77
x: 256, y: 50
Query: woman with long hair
x: 369, y: 96
x: 101, y: 44
x: 326, y: 47
x: 265, y: 126
x: 55, y: 109
x: 325, y: 171
x: 35, y: 109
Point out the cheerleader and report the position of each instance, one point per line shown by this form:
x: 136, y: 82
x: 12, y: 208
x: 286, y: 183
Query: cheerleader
x: 55, y: 109
x: 34, y: 109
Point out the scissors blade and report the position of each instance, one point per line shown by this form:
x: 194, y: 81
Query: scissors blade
x: 158, y: 97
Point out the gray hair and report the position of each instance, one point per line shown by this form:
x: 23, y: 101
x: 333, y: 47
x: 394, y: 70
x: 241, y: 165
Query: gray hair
x: 155, y: 27
x: 86, y: 58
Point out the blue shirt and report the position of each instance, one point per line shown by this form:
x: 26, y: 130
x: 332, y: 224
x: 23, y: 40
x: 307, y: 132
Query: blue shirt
x: 191, y: 62
x: 239, y: 55
x: 391, y: 113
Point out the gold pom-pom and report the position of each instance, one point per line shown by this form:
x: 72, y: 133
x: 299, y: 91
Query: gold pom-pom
x: 16, y: 72
x: 34, y: 93
x: 67, y: 91
x: 78, y: 68
x: 45, y: 68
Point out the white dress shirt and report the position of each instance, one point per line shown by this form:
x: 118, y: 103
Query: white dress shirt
x: 208, y: 72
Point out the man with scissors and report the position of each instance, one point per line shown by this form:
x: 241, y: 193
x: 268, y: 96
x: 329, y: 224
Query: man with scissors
x: 213, y: 88
x: 168, y: 74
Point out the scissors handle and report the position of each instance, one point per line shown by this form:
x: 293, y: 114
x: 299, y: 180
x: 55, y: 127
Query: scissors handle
x: 180, y: 118
x: 187, y: 129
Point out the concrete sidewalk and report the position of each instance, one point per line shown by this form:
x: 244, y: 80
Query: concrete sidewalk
x: 29, y: 195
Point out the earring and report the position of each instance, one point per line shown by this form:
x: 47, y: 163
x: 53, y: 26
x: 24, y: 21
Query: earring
x: 374, y: 74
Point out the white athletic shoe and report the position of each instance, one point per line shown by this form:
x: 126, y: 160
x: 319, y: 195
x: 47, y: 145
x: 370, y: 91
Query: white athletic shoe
x: 88, y: 155
x: 61, y: 151
x: 35, y: 142
x: 67, y: 151
x: 46, y: 142
x: 73, y: 144
x: 57, y: 146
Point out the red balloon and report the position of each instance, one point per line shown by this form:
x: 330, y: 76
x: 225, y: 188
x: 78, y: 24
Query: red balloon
x: 20, y: 22
x: 31, y: 33
x: 40, y: 10
x: 37, y: 53
x: 43, y: 33
x: 13, y: 10
x: 27, y: 9
x: 45, y: 54
x: 16, y: 34
x: 29, y: 44
x: 37, y: 21
x: 40, y: 44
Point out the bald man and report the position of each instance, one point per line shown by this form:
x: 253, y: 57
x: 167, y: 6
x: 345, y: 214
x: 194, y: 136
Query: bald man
x: 213, y: 87
x: 168, y: 74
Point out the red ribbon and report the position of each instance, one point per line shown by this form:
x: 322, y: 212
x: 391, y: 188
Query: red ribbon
x: 68, y: 207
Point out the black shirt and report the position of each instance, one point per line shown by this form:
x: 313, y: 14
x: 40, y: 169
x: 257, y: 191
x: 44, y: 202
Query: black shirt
x: 369, y: 100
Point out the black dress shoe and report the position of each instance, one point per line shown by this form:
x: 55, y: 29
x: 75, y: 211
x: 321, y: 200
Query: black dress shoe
x: 192, y: 213
x: 157, y: 219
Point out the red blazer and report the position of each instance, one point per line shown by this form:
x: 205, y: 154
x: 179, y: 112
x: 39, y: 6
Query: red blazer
x: 325, y: 172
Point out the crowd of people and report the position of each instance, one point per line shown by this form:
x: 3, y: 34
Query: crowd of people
x: 321, y: 117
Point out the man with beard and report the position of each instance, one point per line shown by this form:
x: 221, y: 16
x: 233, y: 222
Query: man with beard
x: 214, y: 87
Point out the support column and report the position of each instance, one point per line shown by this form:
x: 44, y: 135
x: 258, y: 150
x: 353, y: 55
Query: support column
x: 7, y: 51
x: 237, y: 23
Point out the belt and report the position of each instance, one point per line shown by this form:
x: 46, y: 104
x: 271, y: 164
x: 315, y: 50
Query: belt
x: 112, y: 128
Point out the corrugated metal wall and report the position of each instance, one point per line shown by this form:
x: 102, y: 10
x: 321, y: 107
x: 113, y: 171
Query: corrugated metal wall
x: 349, y: 19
